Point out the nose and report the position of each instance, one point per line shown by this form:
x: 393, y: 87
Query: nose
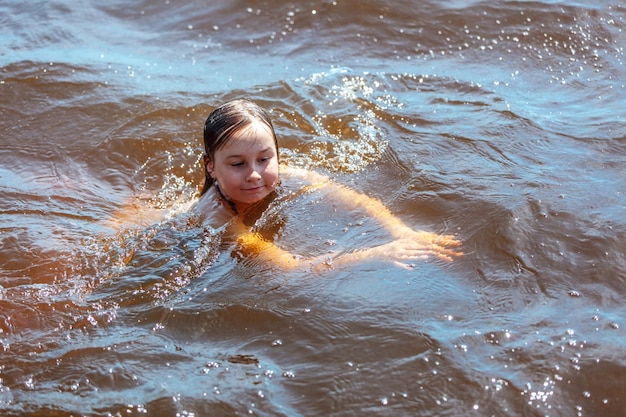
x: 254, y: 174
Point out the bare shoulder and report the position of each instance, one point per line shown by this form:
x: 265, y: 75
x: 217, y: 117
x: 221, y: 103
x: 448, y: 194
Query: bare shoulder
x: 210, y: 210
x: 134, y: 212
x: 142, y: 211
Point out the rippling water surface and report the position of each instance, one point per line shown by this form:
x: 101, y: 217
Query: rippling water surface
x: 501, y: 122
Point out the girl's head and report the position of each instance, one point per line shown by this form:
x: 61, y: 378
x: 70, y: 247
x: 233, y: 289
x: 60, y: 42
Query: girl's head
x: 241, y: 152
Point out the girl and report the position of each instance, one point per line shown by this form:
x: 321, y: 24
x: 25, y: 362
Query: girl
x: 241, y: 167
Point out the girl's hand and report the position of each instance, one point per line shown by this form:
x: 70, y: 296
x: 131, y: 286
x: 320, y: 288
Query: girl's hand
x: 419, y: 246
x: 414, y: 246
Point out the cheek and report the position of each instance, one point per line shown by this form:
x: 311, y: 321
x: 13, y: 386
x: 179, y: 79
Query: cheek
x: 273, y: 171
x: 231, y: 178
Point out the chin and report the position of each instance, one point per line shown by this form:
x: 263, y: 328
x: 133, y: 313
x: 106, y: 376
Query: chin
x: 255, y: 199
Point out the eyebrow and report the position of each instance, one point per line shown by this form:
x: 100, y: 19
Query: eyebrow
x: 268, y: 149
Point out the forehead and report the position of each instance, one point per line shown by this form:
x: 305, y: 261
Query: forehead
x: 253, y: 137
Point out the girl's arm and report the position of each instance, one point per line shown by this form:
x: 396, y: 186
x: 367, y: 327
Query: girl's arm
x: 253, y: 242
x: 393, y: 224
x: 379, y: 212
x: 407, y: 245
x: 399, y: 251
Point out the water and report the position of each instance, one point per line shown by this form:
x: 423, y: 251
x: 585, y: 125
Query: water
x: 501, y: 122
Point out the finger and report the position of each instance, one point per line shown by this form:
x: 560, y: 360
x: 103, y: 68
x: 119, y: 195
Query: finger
x: 423, y: 253
x: 447, y: 240
x: 448, y: 251
x: 444, y: 257
x: 432, y: 238
x: 449, y: 254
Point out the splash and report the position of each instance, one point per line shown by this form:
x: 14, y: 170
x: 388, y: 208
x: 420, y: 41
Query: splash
x: 345, y: 127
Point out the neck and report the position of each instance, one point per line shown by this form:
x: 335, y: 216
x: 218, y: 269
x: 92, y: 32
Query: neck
x: 230, y: 203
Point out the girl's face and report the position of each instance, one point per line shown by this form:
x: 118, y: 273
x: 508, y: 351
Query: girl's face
x: 246, y: 167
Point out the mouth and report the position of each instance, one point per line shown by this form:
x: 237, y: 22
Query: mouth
x: 253, y: 189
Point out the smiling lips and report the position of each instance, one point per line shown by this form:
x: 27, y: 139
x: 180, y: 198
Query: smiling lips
x: 253, y: 189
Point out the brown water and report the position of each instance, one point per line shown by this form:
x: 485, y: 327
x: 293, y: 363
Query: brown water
x: 501, y: 122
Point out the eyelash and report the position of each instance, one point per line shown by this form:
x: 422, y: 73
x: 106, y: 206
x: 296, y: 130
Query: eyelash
x: 238, y: 164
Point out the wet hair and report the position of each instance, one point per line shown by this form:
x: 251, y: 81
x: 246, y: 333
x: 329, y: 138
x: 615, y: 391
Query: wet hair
x: 226, y: 121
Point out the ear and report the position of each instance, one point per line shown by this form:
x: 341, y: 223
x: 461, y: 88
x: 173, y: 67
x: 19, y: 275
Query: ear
x: 208, y: 164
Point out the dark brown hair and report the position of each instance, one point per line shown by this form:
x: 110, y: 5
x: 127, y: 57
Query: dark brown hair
x: 224, y: 122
